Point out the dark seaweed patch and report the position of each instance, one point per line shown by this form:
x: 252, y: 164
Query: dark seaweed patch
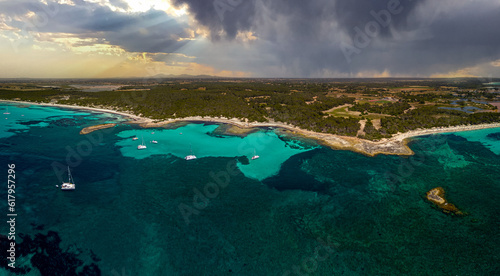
x: 494, y: 136
x: 48, y: 257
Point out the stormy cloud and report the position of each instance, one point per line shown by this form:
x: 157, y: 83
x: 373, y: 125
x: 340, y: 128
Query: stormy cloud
x: 281, y: 38
x: 309, y: 38
x: 151, y: 31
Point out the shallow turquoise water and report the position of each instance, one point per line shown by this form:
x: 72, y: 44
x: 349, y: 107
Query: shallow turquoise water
x: 486, y: 137
x: 23, y: 116
x: 299, y: 209
x: 198, y: 139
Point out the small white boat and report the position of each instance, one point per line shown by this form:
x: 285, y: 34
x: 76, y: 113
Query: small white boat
x: 6, y: 111
x: 154, y: 142
x: 255, y: 156
x: 70, y: 185
x: 191, y: 156
x: 141, y: 146
x: 135, y: 138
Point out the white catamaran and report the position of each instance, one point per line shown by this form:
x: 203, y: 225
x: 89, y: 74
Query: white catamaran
x: 191, y: 156
x: 70, y: 185
x: 141, y: 146
x: 255, y: 156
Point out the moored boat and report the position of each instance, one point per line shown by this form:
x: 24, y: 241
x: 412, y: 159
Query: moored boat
x: 70, y: 185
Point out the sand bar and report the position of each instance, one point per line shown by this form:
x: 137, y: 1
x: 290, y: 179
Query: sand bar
x: 90, y: 129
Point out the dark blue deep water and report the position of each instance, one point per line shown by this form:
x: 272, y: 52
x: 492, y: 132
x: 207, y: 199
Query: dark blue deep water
x: 299, y: 209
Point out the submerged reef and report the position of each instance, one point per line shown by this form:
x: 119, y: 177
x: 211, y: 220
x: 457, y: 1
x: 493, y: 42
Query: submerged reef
x: 43, y: 255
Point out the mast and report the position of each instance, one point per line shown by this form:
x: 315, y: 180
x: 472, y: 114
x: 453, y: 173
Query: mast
x: 70, y: 180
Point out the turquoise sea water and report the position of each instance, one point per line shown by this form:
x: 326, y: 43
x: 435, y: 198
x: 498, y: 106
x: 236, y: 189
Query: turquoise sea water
x: 299, y: 209
x: 198, y: 139
x: 487, y: 137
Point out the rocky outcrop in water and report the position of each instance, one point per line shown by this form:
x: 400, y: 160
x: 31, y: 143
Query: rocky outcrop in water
x: 436, y: 196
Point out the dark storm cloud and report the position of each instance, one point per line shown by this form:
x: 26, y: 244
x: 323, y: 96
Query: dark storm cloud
x: 314, y: 36
x: 296, y: 38
x: 229, y: 16
x: 151, y: 31
x: 351, y: 14
x: 452, y: 41
x: 302, y: 16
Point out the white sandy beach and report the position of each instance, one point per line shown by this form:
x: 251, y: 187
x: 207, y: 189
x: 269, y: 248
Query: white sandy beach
x: 395, y: 145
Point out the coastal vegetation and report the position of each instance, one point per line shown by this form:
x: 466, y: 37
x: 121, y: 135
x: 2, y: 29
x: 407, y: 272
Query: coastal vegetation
x: 370, y: 109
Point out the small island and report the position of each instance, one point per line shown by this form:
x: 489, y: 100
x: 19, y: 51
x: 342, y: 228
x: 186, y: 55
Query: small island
x: 90, y: 129
x: 436, y: 196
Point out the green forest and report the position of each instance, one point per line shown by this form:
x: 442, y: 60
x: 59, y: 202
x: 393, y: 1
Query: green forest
x: 297, y: 102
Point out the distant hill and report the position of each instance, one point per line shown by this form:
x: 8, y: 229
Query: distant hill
x: 183, y: 76
x: 158, y: 76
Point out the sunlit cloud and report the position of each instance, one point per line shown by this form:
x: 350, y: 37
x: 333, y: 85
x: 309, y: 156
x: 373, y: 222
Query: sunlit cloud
x: 456, y: 74
x: 265, y: 38
x: 461, y: 73
x: 133, y: 6
x: 246, y: 37
x: 64, y: 2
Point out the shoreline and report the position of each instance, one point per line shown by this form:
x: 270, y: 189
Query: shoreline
x: 396, y: 145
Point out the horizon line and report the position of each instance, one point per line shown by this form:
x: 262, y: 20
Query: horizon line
x: 241, y: 78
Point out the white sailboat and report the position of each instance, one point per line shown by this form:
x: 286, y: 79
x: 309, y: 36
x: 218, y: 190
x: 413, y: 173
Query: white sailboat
x: 255, y: 156
x: 70, y: 185
x: 141, y: 146
x: 191, y: 156
x: 6, y: 111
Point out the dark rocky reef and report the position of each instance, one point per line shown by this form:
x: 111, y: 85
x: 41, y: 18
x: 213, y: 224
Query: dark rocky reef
x: 47, y: 256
